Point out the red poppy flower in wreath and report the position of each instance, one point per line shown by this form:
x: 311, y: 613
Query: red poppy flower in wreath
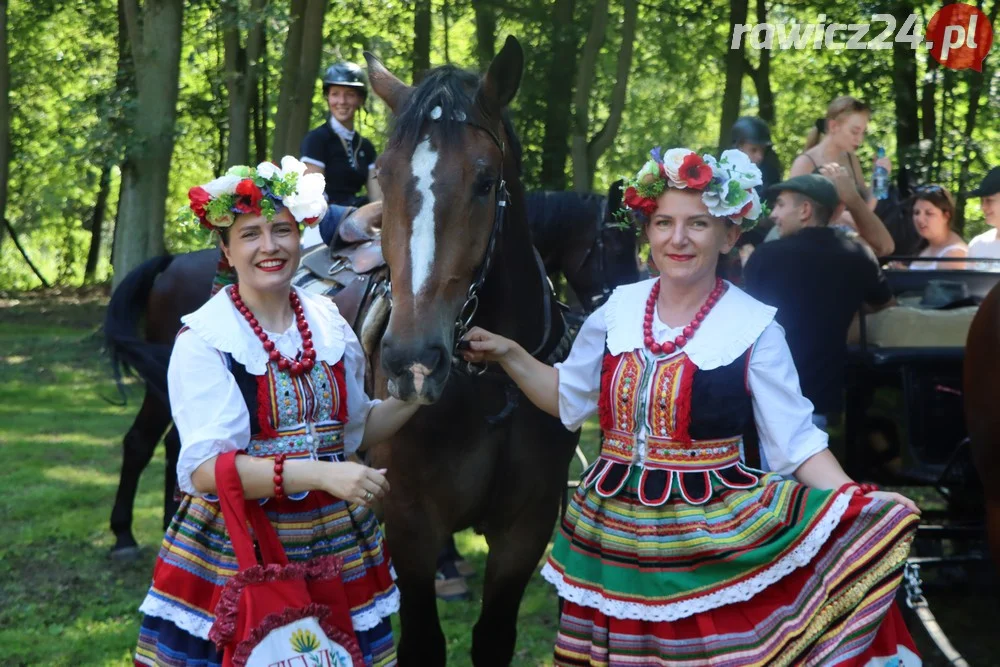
x: 644, y: 204
x: 248, y: 197
x: 199, y: 198
x: 694, y: 172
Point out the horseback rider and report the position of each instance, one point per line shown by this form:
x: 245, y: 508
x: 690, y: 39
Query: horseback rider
x: 335, y: 148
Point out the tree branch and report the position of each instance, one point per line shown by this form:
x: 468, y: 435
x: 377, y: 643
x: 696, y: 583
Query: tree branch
x: 606, y: 135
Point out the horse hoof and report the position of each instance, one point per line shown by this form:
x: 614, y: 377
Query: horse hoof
x: 125, y: 554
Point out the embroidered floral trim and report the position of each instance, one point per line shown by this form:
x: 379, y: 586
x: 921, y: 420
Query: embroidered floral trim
x: 739, y: 592
x: 272, y: 622
x: 220, y: 325
x: 736, y: 322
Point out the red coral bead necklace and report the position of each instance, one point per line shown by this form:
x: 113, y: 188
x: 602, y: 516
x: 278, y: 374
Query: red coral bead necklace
x: 305, y: 360
x: 677, y: 343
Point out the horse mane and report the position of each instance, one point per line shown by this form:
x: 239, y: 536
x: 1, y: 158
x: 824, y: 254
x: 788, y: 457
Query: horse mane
x: 453, y: 90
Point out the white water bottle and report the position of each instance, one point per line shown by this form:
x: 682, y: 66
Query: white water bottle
x: 880, y: 179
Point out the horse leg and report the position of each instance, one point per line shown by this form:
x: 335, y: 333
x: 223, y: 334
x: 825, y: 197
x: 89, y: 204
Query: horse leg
x: 172, y: 443
x: 138, y: 446
x: 413, y: 535
x: 512, y: 560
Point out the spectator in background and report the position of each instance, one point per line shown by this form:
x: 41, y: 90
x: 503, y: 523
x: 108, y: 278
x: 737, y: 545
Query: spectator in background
x: 336, y: 149
x: 933, y: 216
x: 987, y: 244
x: 818, y: 280
x: 835, y: 139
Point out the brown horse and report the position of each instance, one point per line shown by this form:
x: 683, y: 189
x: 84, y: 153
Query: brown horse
x: 981, y: 391
x: 459, y: 250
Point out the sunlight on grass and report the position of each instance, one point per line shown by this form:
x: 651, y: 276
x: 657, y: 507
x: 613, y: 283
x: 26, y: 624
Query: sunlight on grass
x: 75, y: 475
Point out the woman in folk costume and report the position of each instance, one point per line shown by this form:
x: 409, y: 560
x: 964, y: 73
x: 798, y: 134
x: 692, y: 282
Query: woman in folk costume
x: 278, y: 374
x: 672, y: 551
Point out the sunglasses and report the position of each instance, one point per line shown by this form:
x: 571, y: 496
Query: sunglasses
x: 928, y: 189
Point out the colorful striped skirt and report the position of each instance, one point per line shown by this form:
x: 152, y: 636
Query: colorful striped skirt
x: 779, y: 574
x: 196, y: 558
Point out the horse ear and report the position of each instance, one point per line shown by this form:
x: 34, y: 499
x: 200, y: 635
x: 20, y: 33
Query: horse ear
x: 503, y: 78
x: 391, y: 90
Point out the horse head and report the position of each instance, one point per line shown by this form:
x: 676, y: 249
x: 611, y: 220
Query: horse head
x: 442, y: 177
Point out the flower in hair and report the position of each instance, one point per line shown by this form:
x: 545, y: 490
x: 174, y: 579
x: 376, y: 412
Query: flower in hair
x: 261, y: 191
x: 727, y: 184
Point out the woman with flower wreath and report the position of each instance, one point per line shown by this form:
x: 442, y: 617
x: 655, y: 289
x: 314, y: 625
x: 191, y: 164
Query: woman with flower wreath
x: 277, y: 374
x: 672, y: 550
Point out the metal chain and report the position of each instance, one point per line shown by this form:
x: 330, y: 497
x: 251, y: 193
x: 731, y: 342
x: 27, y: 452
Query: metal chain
x: 913, y: 586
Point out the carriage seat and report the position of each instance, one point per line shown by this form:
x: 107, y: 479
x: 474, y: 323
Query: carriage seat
x: 908, y: 326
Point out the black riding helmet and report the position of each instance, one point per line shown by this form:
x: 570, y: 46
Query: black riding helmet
x: 750, y: 129
x: 346, y: 74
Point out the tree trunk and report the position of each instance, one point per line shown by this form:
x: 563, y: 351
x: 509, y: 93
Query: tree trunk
x: 976, y: 86
x: 904, y: 77
x: 605, y: 137
x: 241, y: 66
x: 289, y: 72
x: 928, y: 112
x: 558, y: 110
x: 97, y: 224
x: 156, y: 53
x: 305, y: 78
x: 445, y: 19
x: 303, y: 48
x: 260, y: 108
x: 486, y: 30
x: 421, y: 39
x: 4, y: 117
x: 734, y: 73
x: 581, y: 96
x: 762, y: 75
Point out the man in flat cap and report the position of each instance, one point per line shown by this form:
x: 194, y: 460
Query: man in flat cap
x: 818, y: 279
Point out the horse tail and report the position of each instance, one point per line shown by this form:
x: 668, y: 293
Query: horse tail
x: 130, y: 353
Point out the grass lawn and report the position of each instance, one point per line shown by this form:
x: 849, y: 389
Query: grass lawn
x: 62, y: 601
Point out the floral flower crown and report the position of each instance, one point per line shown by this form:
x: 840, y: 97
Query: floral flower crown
x: 726, y: 185
x: 261, y: 191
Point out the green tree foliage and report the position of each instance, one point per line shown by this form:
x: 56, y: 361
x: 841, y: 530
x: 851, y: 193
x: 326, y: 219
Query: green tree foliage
x: 70, y: 104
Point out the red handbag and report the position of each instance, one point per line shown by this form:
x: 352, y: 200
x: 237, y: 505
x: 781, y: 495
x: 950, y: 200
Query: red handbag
x: 274, y: 613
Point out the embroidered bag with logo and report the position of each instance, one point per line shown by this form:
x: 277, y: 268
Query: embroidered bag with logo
x: 274, y: 613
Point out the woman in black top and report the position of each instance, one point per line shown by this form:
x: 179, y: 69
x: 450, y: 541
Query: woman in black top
x: 335, y: 148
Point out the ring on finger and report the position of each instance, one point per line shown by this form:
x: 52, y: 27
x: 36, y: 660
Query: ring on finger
x: 368, y: 496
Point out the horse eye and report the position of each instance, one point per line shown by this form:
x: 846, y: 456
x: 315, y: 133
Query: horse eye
x: 483, y: 187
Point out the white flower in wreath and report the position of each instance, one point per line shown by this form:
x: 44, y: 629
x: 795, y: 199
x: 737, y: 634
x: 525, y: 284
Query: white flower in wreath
x: 732, y: 199
x: 307, y: 201
x: 223, y: 185
x: 268, y: 170
x: 290, y: 165
x: 740, y: 167
x: 672, y: 161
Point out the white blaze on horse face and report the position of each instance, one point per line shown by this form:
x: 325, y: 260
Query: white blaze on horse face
x: 422, y: 234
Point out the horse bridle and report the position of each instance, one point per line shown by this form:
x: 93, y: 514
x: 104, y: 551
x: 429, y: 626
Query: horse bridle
x: 471, y: 305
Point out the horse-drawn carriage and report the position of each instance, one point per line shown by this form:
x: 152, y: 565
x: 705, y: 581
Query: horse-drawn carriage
x: 907, y: 363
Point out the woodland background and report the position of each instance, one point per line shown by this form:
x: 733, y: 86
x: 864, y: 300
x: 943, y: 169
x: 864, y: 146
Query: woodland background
x: 110, y: 111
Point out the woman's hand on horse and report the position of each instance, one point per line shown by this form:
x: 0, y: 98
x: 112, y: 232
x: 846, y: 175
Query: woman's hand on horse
x: 895, y: 498
x: 482, y: 345
x: 355, y: 483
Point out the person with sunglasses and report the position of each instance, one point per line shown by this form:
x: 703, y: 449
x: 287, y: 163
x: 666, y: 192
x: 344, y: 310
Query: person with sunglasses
x: 933, y: 216
x: 987, y: 244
